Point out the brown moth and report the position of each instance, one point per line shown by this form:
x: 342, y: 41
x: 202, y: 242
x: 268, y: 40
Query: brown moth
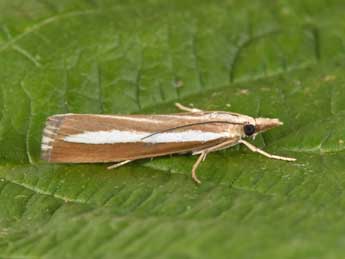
x: 90, y: 138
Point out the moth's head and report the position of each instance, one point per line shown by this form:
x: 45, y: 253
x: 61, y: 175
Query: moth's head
x: 259, y: 125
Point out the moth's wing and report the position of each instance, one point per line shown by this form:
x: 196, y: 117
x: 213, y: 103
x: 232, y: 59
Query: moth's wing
x: 56, y: 149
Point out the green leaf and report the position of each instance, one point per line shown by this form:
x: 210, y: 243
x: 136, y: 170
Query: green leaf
x: 282, y: 59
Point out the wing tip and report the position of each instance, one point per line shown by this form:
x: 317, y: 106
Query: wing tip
x: 50, y: 132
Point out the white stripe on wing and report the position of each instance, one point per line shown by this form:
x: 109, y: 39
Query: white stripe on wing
x: 117, y: 136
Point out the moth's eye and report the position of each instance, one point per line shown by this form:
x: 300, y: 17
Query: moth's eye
x: 249, y: 129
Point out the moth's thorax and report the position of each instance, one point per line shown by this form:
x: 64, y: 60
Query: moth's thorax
x: 231, y: 117
x: 233, y: 130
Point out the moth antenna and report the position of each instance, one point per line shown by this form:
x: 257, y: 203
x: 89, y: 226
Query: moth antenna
x: 186, y: 126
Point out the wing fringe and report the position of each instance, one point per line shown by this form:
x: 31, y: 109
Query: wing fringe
x: 50, y: 133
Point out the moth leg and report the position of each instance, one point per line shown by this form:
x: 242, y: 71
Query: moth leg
x: 186, y: 109
x: 196, y: 164
x: 119, y: 164
x: 203, y: 153
x: 260, y: 151
x: 217, y: 147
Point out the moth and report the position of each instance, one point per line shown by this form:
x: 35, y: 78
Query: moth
x: 90, y: 138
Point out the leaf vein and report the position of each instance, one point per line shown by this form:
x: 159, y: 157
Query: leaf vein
x: 45, y: 22
x: 29, y: 124
x: 43, y: 192
x: 27, y: 55
x: 242, y: 45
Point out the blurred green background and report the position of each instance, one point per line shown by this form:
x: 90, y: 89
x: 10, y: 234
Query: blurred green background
x: 282, y: 59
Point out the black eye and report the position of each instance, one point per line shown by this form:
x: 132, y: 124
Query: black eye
x: 249, y: 129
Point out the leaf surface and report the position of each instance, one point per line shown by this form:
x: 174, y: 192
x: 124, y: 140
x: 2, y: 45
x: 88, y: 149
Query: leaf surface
x: 270, y: 59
